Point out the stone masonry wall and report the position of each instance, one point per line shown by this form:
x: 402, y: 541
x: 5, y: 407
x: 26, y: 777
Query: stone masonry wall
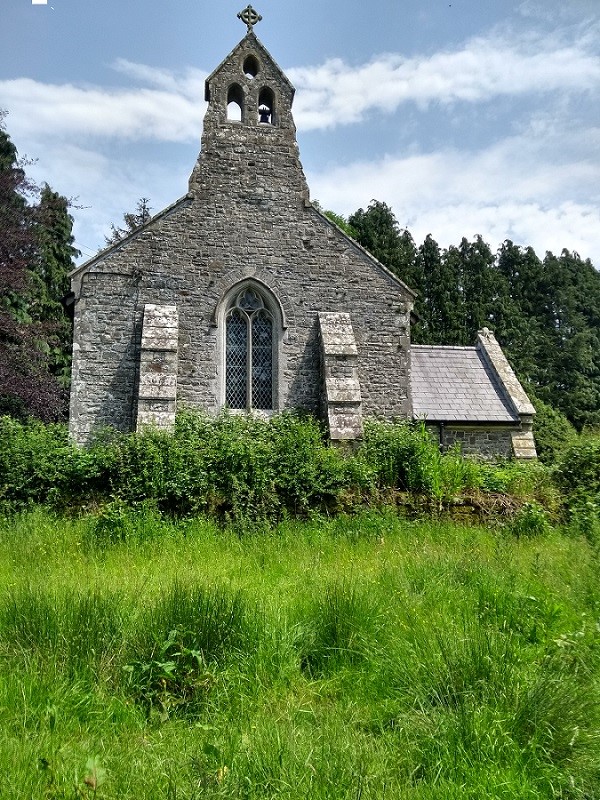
x: 486, y: 443
x: 246, y: 215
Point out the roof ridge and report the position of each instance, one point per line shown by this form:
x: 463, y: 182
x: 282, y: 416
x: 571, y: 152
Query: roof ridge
x: 442, y: 347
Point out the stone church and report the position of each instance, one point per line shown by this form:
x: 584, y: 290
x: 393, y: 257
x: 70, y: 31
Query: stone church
x: 242, y: 295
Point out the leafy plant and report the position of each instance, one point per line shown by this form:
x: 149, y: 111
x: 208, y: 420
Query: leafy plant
x: 530, y: 520
x: 403, y: 456
x: 185, y: 633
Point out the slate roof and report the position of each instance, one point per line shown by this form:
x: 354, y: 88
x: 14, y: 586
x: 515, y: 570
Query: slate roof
x: 456, y: 384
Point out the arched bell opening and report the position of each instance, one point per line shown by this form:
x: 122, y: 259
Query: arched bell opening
x: 266, y: 106
x: 235, y: 103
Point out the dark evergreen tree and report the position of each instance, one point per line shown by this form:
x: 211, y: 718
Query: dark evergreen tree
x: 132, y: 221
x: 571, y: 314
x: 546, y: 314
x: 55, y: 259
x: 377, y: 230
x: 451, y: 296
x: 27, y: 386
x: 17, y: 240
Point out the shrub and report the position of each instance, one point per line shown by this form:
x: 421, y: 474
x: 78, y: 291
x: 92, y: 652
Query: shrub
x: 403, y: 456
x: 39, y: 464
x: 530, y: 520
x: 518, y: 478
x: 240, y: 468
x: 34, y: 461
x: 578, y: 471
x: 552, y: 431
x: 457, y: 473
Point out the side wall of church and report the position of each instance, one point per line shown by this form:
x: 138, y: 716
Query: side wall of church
x: 477, y: 440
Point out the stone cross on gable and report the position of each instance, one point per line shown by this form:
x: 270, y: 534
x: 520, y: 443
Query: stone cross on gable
x: 250, y: 17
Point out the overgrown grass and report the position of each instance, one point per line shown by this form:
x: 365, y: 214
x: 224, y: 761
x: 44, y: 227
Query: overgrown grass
x: 345, y: 657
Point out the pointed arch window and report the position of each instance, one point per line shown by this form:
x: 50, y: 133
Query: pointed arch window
x: 235, y: 103
x: 266, y: 106
x: 249, y: 353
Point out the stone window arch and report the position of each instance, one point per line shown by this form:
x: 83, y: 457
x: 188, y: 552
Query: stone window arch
x: 266, y: 106
x: 235, y: 103
x: 252, y: 330
x: 251, y: 66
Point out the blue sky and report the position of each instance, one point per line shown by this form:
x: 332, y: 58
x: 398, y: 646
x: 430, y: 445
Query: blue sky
x: 467, y: 117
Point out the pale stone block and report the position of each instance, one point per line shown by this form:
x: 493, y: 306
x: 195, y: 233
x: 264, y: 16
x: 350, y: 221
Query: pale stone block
x: 155, y: 385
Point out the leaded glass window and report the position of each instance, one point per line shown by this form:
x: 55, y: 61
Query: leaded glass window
x: 249, y: 353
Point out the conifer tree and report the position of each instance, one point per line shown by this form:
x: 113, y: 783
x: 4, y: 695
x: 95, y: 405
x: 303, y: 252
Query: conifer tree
x: 27, y: 386
x: 55, y: 259
x: 545, y: 313
x: 132, y: 221
x: 378, y: 231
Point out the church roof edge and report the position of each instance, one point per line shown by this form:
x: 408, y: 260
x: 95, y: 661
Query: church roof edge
x: 113, y: 246
x: 365, y: 252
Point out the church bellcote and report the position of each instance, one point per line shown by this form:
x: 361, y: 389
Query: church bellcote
x: 249, y: 144
x: 248, y: 87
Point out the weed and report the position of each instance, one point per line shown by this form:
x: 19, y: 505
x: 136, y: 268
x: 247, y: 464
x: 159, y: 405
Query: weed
x: 179, y: 637
x: 530, y: 520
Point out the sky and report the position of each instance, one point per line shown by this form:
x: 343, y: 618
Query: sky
x: 465, y: 116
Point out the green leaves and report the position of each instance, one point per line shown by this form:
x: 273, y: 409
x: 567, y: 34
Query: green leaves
x: 36, y: 255
x: 546, y: 314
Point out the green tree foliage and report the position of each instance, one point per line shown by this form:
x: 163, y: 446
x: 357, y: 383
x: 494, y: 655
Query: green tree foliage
x: 545, y: 313
x: 17, y: 244
x: 35, y: 257
x: 378, y: 231
x: 55, y: 257
x: 132, y: 221
x: 54, y: 229
x: 552, y: 430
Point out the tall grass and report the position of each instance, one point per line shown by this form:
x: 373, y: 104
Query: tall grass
x: 351, y: 657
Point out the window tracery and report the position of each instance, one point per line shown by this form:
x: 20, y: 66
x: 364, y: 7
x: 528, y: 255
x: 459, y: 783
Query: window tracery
x: 249, y: 353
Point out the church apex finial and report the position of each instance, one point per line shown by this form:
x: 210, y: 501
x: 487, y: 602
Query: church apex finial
x: 250, y: 17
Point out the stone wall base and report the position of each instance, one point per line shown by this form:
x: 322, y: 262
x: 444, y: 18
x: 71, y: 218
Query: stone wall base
x: 486, y: 443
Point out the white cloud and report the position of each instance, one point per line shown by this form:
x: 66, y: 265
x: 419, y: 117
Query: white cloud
x: 483, y: 69
x: 189, y: 82
x: 169, y: 106
x: 537, y: 191
x: 551, y: 10
x: 538, y: 185
x: 171, y: 114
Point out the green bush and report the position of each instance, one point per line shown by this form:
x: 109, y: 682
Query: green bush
x: 578, y: 477
x: 403, y: 456
x: 39, y: 464
x: 530, y: 520
x: 578, y: 472
x: 34, y: 461
x: 237, y: 467
x: 552, y: 431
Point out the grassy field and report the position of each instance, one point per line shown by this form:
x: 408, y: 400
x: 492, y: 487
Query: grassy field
x: 364, y: 657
